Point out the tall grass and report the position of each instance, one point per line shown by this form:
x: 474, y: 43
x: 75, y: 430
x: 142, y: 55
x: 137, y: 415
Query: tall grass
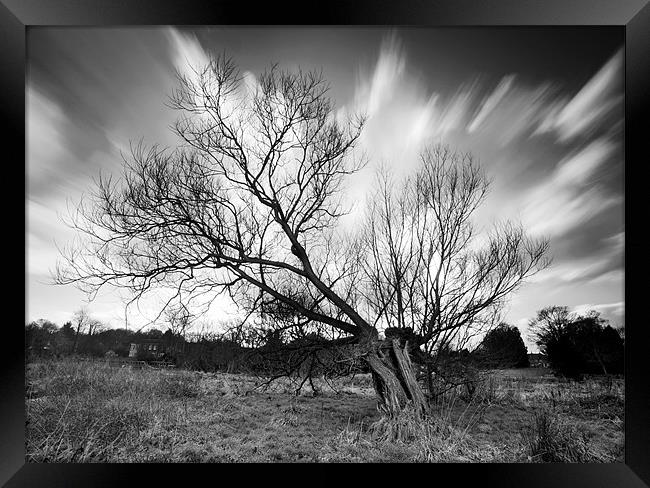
x: 551, y: 439
x: 89, y: 412
x: 92, y: 412
x: 444, y: 435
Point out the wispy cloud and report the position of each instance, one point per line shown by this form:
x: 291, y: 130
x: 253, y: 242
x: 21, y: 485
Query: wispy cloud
x: 375, y: 91
x: 512, y: 111
x: 186, y: 52
x: 46, y: 141
x: 402, y: 112
x: 552, y: 153
x: 604, y: 266
x: 455, y: 114
x: 578, y: 169
x: 503, y: 125
x: 578, y: 272
x: 614, y: 312
x: 490, y: 102
x: 598, y: 96
x: 564, y: 199
x: 438, y: 116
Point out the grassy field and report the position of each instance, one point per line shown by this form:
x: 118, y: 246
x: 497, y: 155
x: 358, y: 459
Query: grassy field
x: 94, y: 412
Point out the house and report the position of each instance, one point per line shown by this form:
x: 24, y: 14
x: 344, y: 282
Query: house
x: 148, y: 347
x: 538, y: 360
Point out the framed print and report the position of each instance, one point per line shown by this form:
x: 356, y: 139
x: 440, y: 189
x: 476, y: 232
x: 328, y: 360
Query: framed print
x: 381, y: 233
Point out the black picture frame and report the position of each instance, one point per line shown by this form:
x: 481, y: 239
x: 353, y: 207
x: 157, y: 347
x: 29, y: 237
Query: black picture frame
x: 633, y: 16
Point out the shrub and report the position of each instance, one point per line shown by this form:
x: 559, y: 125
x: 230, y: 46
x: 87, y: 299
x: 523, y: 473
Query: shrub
x: 437, y: 438
x: 503, y: 347
x: 576, y: 345
x: 552, y: 440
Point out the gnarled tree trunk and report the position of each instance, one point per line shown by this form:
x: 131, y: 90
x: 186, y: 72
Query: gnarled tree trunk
x: 394, y: 379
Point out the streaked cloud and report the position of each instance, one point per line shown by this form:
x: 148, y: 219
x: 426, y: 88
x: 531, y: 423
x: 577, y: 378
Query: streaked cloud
x: 564, y: 199
x: 602, y: 267
x: 614, y: 312
x: 578, y: 272
x: 555, y: 154
x: 600, y: 95
x: 186, y: 52
x: 511, y: 112
x: 576, y: 170
x: 46, y: 142
x: 377, y: 90
x: 491, y: 102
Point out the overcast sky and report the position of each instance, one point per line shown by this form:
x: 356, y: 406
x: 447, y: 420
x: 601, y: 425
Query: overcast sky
x: 541, y: 109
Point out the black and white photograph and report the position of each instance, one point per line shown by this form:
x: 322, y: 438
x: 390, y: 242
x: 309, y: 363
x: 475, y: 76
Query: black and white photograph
x: 324, y: 244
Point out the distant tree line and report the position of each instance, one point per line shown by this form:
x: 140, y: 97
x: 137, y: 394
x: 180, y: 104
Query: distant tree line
x: 577, y: 344
x: 574, y: 345
x: 309, y: 355
x: 44, y: 338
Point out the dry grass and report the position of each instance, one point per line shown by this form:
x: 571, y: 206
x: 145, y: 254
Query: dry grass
x: 92, y: 412
x: 553, y: 440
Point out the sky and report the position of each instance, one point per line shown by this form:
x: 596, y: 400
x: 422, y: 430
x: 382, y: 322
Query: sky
x: 540, y: 108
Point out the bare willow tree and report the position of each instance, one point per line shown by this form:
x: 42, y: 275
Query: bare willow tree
x: 249, y: 205
x: 428, y: 271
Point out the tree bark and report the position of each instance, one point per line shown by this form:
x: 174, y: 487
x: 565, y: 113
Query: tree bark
x: 394, y: 379
x: 76, y: 340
